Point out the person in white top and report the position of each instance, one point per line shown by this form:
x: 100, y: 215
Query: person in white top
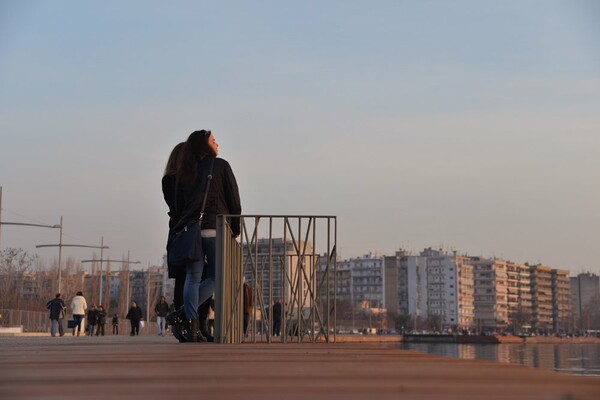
x: 79, y: 307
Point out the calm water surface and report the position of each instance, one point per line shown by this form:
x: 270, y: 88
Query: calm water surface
x: 577, y: 359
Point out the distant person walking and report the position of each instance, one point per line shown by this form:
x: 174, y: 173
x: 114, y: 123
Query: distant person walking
x: 198, y: 161
x: 78, y: 308
x: 277, y: 314
x: 134, y: 316
x: 92, y: 320
x: 115, y: 324
x: 248, y: 307
x: 101, y: 321
x: 57, y: 309
x: 162, y: 310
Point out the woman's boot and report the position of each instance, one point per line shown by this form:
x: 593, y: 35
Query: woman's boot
x: 202, y: 316
x: 179, y: 324
x: 204, y: 331
x: 195, y: 334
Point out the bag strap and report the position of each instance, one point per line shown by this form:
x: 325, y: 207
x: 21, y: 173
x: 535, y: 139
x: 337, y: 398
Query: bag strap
x: 209, y: 179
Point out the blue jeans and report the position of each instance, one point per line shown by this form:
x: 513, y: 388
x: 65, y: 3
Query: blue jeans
x: 161, y: 323
x: 195, y: 290
x: 56, y: 325
x: 77, y: 322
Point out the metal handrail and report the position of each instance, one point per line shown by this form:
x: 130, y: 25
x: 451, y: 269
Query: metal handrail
x: 276, y: 263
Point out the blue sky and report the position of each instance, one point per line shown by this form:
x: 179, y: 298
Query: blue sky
x: 469, y: 125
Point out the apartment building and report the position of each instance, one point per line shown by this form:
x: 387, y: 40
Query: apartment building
x: 561, y: 300
x: 367, y: 280
x: 279, y: 272
x: 584, y: 288
x: 518, y: 296
x: 449, y: 287
x: 433, y: 283
x: 541, y: 290
x: 412, y: 290
x: 490, y: 278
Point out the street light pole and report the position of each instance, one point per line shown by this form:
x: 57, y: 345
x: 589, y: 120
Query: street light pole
x: 60, y: 245
x: 113, y: 261
x: 19, y: 223
x: 101, y: 256
x: 60, y: 256
x: 35, y: 225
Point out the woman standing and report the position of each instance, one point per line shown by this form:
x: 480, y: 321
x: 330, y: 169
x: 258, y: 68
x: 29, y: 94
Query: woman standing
x: 79, y: 307
x: 169, y: 181
x: 199, y: 154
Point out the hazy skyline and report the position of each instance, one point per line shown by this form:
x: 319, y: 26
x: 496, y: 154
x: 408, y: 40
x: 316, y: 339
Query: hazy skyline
x: 469, y: 125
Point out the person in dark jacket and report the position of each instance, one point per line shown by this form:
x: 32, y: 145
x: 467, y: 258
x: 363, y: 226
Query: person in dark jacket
x: 134, y: 315
x: 199, y: 153
x: 101, y: 321
x: 92, y: 317
x: 177, y: 317
x: 169, y: 182
x: 57, y: 309
x: 162, y: 310
x: 115, y: 324
x: 248, y: 307
x: 277, y: 315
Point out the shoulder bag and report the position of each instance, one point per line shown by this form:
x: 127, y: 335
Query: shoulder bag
x: 185, y: 245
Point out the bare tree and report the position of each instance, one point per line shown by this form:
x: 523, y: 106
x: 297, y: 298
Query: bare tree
x: 14, y: 265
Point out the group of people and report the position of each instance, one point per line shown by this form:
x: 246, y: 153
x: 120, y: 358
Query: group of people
x: 96, y: 317
x: 195, y: 178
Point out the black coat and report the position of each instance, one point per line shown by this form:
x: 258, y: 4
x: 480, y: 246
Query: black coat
x: 101, y: 317
x: 92, y: 317
x: 56, y: 307
x: 168, y: 189
x: 223, y: 196
x: 161, y: 309
x: 134, y: 314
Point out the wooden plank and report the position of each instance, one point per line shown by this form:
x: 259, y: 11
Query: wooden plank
x: 148, y: 367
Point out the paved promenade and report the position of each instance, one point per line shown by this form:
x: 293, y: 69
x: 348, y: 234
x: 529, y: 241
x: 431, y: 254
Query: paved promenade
x: 150, y: 367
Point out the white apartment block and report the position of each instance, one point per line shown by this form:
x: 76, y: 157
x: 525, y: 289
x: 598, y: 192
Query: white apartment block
x: 435, y: 283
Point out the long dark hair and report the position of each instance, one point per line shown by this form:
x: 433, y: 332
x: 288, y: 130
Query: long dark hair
x: 174, y: 160
x: 196, y: 148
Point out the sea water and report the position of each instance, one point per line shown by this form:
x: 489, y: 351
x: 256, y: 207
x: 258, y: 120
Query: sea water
x: 577, y: 359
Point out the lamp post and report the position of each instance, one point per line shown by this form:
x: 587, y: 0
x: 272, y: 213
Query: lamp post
x: 55, y: 226
x: 22, y: 223
x: 150, y: 284
x: 109, y: 260
x: 60, y: 245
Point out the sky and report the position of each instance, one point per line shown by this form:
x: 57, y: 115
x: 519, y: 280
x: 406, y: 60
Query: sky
x: 467, y: 125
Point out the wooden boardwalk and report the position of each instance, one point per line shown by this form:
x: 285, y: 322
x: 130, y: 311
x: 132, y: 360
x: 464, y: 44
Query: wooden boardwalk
x: 149, y: 367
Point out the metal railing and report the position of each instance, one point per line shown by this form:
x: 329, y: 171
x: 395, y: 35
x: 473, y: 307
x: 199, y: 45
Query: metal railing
x: 29, y: 321
x: 286, y: 258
